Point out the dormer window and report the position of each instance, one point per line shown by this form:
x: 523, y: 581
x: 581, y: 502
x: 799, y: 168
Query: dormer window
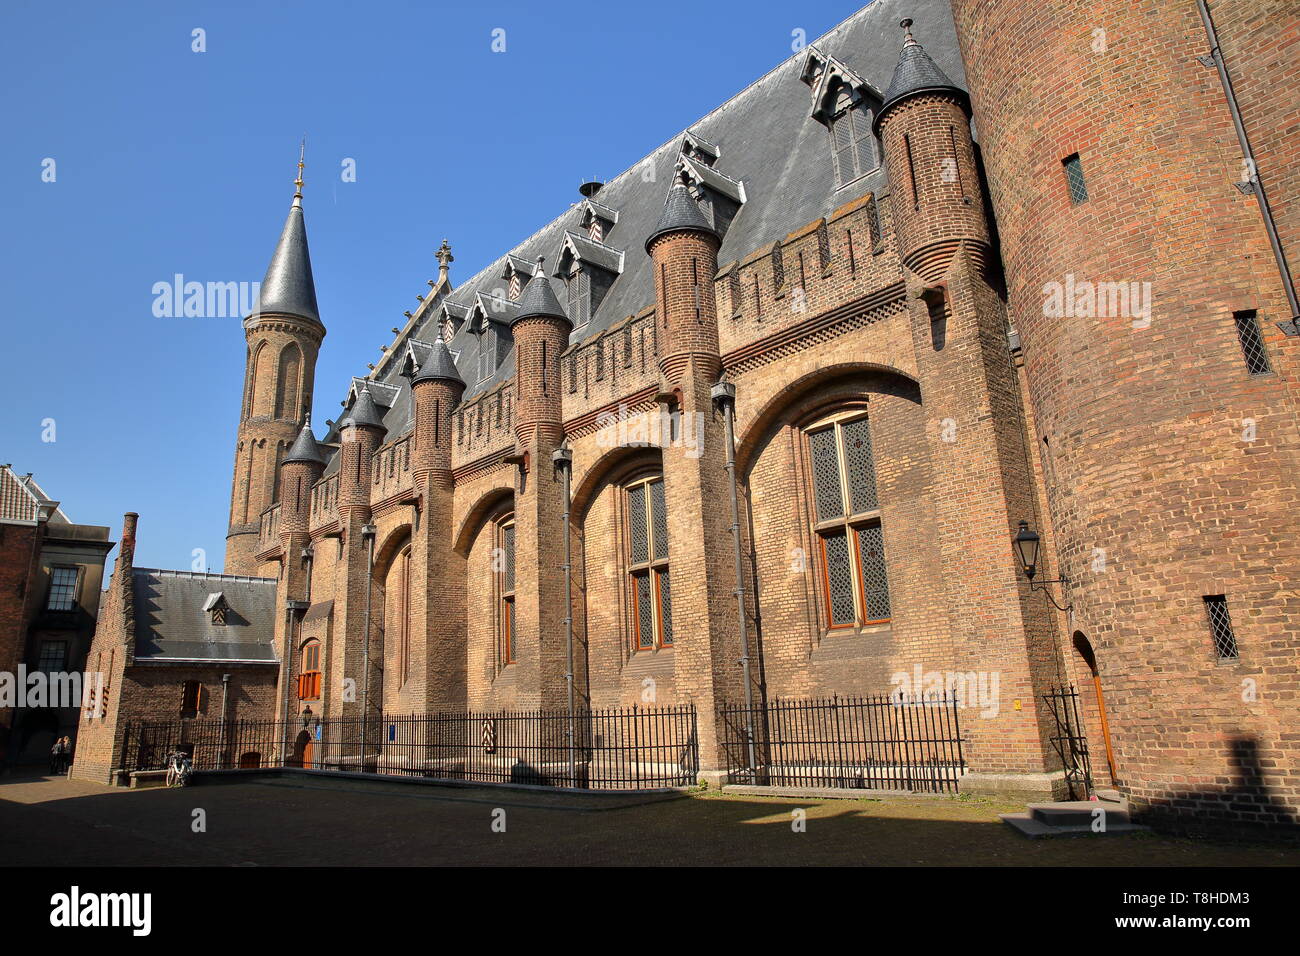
x: 517, y: 272
x: 451, y: 317
x: 853, y: 146
x: 216, y: 608
x: 597, y: 220
x: 487, y: 348
x: 589, y: 268
x: 579, y: 303
x: 699, y: 151
x: 720, y: 197
x: 844, y: 103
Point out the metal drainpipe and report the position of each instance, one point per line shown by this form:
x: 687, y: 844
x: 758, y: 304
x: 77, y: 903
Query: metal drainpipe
x: 225, y: 700
x: 1216, y: 56
x: 367, y: 532
x: 563, y: 459
x: 724, y: 395
x: 288, y: 669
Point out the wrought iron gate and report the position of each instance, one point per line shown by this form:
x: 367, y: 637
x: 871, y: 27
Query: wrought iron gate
x: 1069, y: 740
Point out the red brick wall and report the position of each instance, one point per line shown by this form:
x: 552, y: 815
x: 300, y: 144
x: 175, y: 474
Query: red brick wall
x: 1157, y: 496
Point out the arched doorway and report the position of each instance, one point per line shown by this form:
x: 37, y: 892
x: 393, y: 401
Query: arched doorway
x: 302, y: 750
x: 1094, y: 704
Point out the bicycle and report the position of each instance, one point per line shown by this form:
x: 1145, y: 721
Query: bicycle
x: 179, y: 769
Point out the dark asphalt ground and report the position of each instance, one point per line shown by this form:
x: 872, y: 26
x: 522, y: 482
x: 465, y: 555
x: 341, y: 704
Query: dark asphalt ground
x: 296, y: 820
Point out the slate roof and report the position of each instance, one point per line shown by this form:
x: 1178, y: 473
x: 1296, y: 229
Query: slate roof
x: 304, y: 448
x: 172, y: 625
x: 767, y: 142
x: 288, y: 285
x: 438, y: 365
x: 364, y: 411
x: 915, y: 72
x: 538, y: 298
x: 680, y: 212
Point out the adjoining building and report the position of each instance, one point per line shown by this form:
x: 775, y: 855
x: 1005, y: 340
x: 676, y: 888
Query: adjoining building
x: 928, y: 367
x: 51, y: 571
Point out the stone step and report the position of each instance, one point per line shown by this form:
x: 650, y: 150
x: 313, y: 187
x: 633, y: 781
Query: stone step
x: 1030, y: 826
x: 1078, y: 812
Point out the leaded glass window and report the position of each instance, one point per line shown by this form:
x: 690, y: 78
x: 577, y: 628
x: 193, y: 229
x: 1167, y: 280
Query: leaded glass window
x: 505, y: 569
x: 846, y: 505
x: 647, y: 524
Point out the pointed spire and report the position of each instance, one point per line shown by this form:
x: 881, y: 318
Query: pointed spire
x: 364, y: 412
x: 304, y: 448
x: 681, y: 213
x: 439, y: 366
x: 915, y: 73
x: 538, y: 298
x: 288, y: 286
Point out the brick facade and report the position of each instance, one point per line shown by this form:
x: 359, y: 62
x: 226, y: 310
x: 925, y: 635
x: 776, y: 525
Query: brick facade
x: 917, y: 302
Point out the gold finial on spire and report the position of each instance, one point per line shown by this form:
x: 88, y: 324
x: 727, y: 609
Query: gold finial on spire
x: 302, y: 155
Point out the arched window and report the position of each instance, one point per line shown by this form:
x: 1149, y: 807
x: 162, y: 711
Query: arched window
x: 503, y: 563
x: 647, y: 556
x: 850, y: 547
x: 286, y: 393
x: 403, y: 598
x: 309, y: 672
x: 853, y: 147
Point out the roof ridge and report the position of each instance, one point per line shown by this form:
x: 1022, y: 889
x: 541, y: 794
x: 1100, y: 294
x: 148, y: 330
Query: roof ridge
x: 201, y: 574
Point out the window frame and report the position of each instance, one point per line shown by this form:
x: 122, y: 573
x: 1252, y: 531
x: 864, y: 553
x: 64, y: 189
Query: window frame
x: 853, y: 128
x: 655, y: 568
x: 56, y: 587
x: 507, y: 632
x: 188, y: 712
x: 849, y: 523
x: 309, y: 678
x: 41, y: 656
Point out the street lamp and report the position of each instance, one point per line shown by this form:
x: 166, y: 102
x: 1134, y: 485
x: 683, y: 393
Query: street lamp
x: 1027, y: 543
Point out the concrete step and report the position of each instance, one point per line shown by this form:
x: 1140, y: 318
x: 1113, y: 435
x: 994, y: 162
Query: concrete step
x: 1028, y: 825
x: 1078, y: 812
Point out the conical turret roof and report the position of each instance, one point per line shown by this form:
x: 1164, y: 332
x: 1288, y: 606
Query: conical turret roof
x: 364, y: 412
x: 538, y: 298
x: 288, y: 286
x: 304, y: 448
x: 914, y: 73
x: 681, y: 212
x: 439, y: 366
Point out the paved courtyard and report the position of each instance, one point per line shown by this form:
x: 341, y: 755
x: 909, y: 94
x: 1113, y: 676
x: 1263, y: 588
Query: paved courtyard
x: 319, y: 821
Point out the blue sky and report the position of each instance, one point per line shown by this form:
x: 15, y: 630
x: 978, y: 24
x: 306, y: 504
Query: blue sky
x: 172, y: 161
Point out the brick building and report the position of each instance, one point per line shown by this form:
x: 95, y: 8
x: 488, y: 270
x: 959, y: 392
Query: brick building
x: 900, y: 342
x: 51, y: 571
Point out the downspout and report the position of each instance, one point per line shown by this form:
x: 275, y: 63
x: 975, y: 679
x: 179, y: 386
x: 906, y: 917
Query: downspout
x: 225, y: 701
x: 563, y: 459
x: 368, y: 532
x: 1215, y: 58
x: 724, y: 395
x: 287, y: 665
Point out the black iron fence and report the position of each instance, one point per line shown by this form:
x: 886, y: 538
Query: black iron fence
x: 874, y: 743
x: 619, y: 749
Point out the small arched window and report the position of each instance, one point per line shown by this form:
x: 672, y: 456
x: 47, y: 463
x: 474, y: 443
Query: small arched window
x: 853, y: 147
x: 503, y: 565
x: 647, y: 556
x: 846, y: 526
x: 286, y: 391
x: 309, y: 672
